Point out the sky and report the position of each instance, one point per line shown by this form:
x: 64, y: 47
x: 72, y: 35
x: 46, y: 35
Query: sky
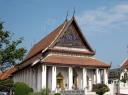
x: 104, y: 23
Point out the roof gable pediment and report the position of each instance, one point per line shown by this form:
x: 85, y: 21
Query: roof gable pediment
x: 70, y: 31
x: 72, y: 37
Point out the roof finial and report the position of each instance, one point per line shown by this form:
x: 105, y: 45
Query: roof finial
x: 66, y: 16
x: 74, y: 11
x: 110, y: 64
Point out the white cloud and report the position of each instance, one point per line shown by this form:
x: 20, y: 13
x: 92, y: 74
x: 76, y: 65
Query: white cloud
x: 104, y: 17
x: 121, y: 8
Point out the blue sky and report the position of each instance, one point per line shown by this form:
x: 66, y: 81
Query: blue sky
x: 103, y: 22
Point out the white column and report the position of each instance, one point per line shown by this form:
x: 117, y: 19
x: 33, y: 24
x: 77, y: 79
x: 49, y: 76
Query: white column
x: 23, y: 76
x: 70, y: 76
x: 98, y: 77
x: 105, y: 76
x: 27, y: 77
x: 54, y: 78
x: 19, y: 77
x: 94, y: 77
x: 90, y: 84
x: 39, y: 79
x: 43, y: 79
x: 34, y: 80
x: 85, y: 80
x: 14, y: 78
x: 30, y: 81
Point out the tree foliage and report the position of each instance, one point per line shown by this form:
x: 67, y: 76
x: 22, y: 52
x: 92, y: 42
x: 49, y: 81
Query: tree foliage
x: 100, y: 89
x: 6, y: 85
x: 42, y: 92
x: 21, y: 88
x: 57, y: 94
x: 10, y: 52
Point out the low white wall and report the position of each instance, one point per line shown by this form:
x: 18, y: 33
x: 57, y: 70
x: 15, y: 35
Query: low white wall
x: 124, y: 88
x: 112, y: 91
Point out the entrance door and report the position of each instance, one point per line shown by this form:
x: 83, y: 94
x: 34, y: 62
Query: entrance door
x: 60, y: 80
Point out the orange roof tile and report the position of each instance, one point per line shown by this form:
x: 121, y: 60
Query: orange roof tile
x: 7, y: 73
x: 72, y: 60
x: 44, y: 43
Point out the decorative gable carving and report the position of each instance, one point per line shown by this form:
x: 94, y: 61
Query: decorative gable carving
x: 70, y: 38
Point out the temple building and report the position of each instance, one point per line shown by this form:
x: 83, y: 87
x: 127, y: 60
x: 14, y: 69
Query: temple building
x: 124, y: 70
x: 122, y: 81
x: 63, y: 60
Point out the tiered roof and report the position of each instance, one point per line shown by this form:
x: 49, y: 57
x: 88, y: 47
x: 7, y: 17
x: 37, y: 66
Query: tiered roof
x: 51, y: 38
x: 73, y: 61
x: 48, y: 43
x: 7, y: 73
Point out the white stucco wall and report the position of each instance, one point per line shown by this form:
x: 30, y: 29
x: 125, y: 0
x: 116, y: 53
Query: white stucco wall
x: 29, y: 76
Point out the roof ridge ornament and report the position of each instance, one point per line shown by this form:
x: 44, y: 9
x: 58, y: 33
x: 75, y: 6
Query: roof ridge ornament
x: 66, y: 16
x: 74, y: 11
x: 110, y: 64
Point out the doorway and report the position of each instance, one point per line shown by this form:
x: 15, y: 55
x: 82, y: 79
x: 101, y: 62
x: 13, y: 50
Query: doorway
x: 60, y: 81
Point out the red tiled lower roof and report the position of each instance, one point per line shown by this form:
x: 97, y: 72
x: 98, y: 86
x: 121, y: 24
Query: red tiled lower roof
x: 43, y: 44
x: 7, y: 73
x: 72, y: 60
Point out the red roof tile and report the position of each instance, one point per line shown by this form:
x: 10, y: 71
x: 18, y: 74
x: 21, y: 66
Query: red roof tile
x: 72, y: 60
x: 45, y: 42
x: 7, y: 73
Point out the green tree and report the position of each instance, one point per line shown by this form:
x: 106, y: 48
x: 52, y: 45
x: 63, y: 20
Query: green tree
x: 6, y: 85
x: 10, y: 51
x: 42, y: 92
x: 21, y: 88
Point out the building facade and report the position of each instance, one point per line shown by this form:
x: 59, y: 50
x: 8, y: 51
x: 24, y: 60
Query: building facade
x: 123, y: 85
x: 63, y: 60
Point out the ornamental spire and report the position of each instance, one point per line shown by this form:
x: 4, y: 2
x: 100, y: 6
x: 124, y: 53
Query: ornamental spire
x: 74, y: 11
x: 66, y: 16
